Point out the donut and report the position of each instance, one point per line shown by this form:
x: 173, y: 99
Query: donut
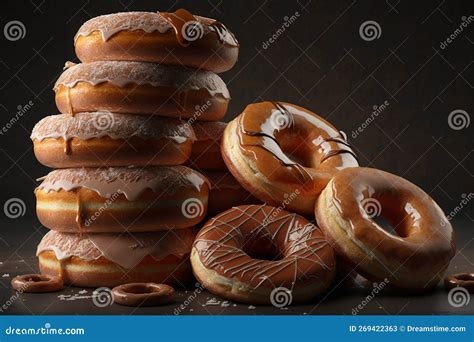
x: 109, y: 139
x: 225, y: 192
x: 118, y: 199
x: 206, y: 150
x: 141, y: 88
x: 465, y: 280
x: 413, y: 258
x: 37, y: 283
x: 279, y: 151
x: 178, y: 38
x: 143, y: 294
x: 257, y: 254
x: 111, y: 259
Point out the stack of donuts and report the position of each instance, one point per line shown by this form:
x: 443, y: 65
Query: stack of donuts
x: 121, y: 205
x: 142, y: 158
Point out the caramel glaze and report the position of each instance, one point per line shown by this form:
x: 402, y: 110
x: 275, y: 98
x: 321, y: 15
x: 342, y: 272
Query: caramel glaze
x: 425, y: 240
x: 181, y: 17
x: 275, y: 134
x: 300, y: 253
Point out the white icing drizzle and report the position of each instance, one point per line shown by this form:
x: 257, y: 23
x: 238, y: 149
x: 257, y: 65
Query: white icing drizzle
x: 110, y: 24
x: 118, y: 126
x: 130, y: 181
x: 126, y: 250
x: 121, y: 73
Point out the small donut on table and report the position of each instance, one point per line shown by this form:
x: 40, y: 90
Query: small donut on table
x: 225, y: 192
x: 206, y: 150
x: 179, y: 38
x: 278, y: 150
x: 414, y: 258
x: 108, y: 139
x: 118, y: 199
x: 141, y: 88
x: 107, y: 259
x: 249, y: 253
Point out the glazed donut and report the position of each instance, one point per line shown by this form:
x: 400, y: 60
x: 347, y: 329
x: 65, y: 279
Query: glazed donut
x: 37, y: 283
x: 108, y: 139
x: 141, y: 88
x: 278, y: 151
x: 122, y: 199
x: 225, y: 192
x: 178, y: 38
x: 206, y: 150
x: 414, y: 259
x: 252, y: 253
x: 107, y: 259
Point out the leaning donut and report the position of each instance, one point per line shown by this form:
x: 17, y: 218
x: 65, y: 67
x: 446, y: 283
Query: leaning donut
x: 141, y: 88
x: 178, y: 38
x: 255, y: 254
x: 95, y: 260
x: 118, y: 199
x: 279, y: 151
x: 413, y: 258
x: 108, y: 139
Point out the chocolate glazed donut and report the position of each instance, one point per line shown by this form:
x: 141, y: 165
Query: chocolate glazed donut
x: 279, y: 150
x: 178, y: 38
x: 251, y: 253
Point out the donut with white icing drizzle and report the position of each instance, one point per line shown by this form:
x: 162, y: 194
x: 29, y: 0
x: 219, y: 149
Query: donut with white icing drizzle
x: 249, y: 253
x: 110, y: 259
x: 118, y: 199
x: 415, y: 256
x: 141, y: 88
x: 284, y: 154
x: 109, y: 139
x: 178, y: 38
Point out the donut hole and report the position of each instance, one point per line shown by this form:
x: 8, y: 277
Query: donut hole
x: 262, y: 248
x: 296, y: 148
x: 386, y: 225
x: 140, y: 289
x: 36, y: 278
x: 386, y: 211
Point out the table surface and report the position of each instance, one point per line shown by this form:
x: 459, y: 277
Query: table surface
x: 18, y: 240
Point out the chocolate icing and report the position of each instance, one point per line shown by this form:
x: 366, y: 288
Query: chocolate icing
x: 302, y: 253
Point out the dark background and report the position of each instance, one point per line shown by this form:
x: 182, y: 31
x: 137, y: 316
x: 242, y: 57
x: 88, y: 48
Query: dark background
x: 319, y: 62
